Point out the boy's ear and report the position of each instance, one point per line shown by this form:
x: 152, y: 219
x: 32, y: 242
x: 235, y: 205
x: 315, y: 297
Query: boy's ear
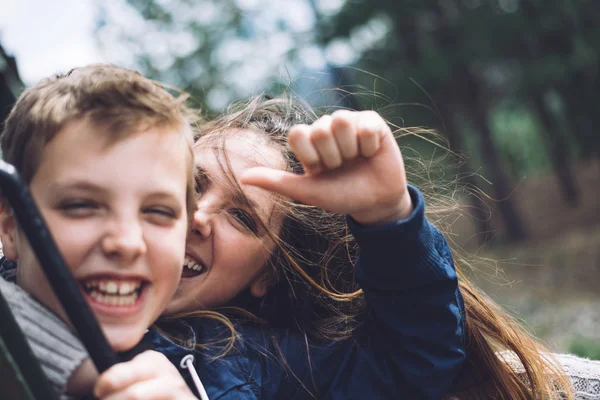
x: 8, y: 232
x: 261, y: 284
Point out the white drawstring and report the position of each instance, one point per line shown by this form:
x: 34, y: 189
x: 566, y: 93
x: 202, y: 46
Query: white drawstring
x: 188, y: 362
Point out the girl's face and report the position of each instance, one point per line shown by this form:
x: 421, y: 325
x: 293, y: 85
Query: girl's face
x: 227, y: 248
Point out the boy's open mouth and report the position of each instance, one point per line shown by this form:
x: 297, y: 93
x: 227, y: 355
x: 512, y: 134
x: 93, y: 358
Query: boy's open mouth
x: 113, y: 292
x: 192, y: 268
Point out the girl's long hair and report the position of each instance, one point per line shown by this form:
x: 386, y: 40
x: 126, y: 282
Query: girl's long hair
x: 311, y: 275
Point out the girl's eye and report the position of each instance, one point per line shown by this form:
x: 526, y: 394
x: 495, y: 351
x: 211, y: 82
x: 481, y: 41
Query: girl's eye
x: 245, y: 219
x: 200, y: 183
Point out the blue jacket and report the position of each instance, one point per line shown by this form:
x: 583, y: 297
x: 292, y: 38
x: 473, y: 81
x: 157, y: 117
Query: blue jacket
x: 412, y: 345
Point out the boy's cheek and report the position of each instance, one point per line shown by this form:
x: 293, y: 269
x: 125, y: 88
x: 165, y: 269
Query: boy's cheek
x: 171, y: 241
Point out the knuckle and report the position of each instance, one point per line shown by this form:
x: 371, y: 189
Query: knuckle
x: 371, y: 114
x: 320, y: 134
x: 341, y: 117
x: 297, y: 137
x: 341, y: 124
x: 367, y: 134
x: 324, y: 120
x: 342, y: 112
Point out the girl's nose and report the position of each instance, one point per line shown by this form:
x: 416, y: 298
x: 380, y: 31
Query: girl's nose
x: 125, y: 242
x: 202, y: 222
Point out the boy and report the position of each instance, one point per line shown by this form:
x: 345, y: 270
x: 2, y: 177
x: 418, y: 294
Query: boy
x: 107, y: 156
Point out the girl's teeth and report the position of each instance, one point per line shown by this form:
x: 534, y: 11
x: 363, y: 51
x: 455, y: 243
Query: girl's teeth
x: 191, y: 264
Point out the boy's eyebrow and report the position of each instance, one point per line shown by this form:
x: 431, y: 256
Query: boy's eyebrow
x: 81, y: 185
x: 57, y: 188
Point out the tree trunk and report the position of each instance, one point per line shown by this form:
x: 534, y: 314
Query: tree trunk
x: 558, y: 150
x: 466, y: 90
x: 502, y: 188
x: 480, y: 217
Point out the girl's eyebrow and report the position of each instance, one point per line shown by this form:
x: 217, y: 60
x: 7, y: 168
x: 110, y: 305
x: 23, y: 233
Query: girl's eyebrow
x: 201, y: 172
x: 239, y: 198
x: 201, y: 175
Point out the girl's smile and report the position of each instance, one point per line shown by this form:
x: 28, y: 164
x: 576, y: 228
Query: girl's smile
x: 227, y: 248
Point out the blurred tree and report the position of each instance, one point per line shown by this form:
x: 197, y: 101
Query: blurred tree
x: 218, y: 50
x: 10, y: 83
x: 463, y: 61
x: 473, y: 53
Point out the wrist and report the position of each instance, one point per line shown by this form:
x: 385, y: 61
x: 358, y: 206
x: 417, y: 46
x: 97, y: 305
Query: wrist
x: 387, y: 214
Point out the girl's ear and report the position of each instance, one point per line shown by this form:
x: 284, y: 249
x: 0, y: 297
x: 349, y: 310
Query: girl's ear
x: 261, y: 284
x: 8, y: 233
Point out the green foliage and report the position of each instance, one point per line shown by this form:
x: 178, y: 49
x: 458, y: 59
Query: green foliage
x: 518, y: 138
x: 585, y: 347
x: 468, y: 56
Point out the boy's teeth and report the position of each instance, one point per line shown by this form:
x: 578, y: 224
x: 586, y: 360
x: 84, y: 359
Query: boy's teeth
x: 126, y: 288
x: 113, y: 292
x: 114, y: 300
x: 112, y: 287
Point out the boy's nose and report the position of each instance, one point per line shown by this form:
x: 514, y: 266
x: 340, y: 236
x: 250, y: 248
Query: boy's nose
x: 125, y: 242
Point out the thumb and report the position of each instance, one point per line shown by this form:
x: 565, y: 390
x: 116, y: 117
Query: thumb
x: 297, y: 187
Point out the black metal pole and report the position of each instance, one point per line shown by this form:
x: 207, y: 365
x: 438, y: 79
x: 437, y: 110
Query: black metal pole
x: 65, y: 287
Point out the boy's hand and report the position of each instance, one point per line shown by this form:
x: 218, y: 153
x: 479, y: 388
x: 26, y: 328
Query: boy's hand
x: 149, y: 375
x: 353, y: 166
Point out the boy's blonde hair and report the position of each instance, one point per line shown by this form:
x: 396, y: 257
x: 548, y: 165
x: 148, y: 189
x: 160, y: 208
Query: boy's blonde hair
x: 119, y: 100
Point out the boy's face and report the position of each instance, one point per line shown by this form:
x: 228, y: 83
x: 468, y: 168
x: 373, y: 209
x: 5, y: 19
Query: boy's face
x: 118, y: 215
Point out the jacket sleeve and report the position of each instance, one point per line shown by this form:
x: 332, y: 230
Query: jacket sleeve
x: 54, y: 344
x: 414, y: 340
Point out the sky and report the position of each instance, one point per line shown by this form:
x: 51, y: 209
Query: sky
x: 48, y: 36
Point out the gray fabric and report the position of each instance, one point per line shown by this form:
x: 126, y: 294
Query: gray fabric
x: 55, y: 344
x: 584, y: 375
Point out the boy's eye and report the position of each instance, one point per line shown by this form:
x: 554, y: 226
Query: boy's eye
x: 245, y: 219
x: 161, y: 214
x: 78, y: 208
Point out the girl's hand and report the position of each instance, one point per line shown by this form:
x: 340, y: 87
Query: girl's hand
x: 149, y: 375
x: 353, y: 166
